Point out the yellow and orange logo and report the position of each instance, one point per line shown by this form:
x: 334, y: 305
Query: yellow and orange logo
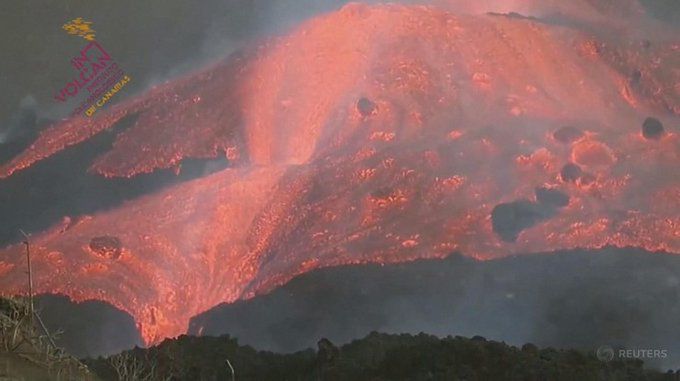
x: 80, y: 27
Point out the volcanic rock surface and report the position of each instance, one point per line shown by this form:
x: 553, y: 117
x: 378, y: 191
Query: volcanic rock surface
x: 378, y: 133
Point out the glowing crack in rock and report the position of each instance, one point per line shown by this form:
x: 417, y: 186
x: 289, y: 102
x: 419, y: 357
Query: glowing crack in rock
x: 379, y: 133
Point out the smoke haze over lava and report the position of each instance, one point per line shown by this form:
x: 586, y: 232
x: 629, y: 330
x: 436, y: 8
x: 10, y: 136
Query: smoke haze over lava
x: 376, y: 133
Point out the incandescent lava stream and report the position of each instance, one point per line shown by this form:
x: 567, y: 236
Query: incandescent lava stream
x: 378, y: 133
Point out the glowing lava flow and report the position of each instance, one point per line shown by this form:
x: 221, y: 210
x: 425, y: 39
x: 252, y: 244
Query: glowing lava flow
x: 373, y: 134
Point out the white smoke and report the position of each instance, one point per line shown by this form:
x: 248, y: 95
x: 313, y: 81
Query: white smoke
x: 18, y: 124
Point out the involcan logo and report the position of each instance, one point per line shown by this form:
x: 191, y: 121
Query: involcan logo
x: 606, y: 353
x: 97, y: 72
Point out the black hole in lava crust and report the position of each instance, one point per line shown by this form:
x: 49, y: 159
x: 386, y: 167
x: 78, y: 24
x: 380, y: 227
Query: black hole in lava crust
x: 570, y: 173
x: 89, y: 329
x: 365, y: 106
x: 652, y: 128
x: 509, y: 219
x: 108, y: 247
x: 567, y: 134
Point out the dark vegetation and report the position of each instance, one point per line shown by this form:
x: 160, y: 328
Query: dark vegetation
x: 376, y: 357
x: 27, y: 352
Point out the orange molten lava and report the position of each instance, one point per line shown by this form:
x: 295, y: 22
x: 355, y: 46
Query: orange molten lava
x: 457, y: 115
